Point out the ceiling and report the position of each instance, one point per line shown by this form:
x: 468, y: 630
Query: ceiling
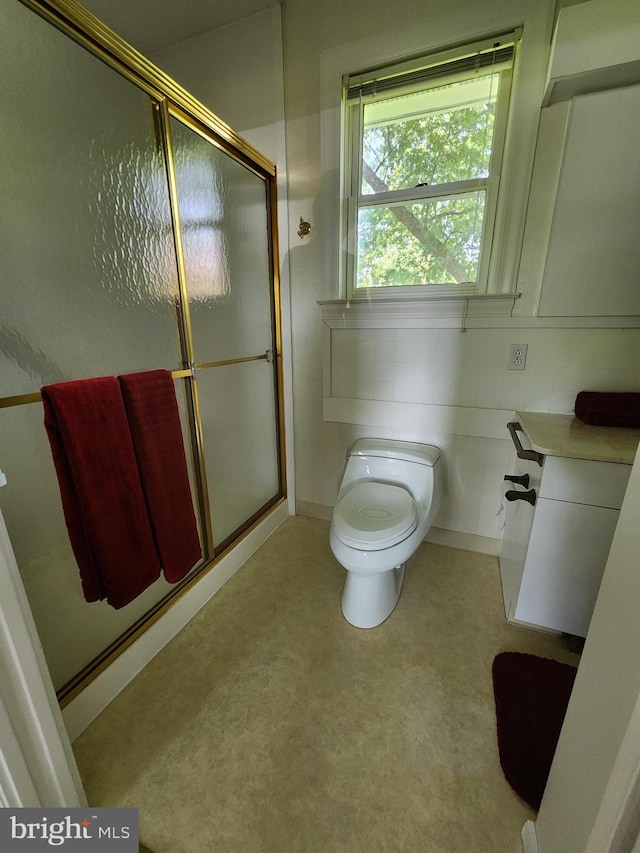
x: 150, y: 25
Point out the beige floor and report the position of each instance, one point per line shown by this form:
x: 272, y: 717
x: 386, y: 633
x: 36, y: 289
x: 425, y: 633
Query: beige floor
x: 270, y: 724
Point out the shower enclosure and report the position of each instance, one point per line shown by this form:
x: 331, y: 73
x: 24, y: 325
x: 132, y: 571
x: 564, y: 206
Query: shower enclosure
x: 137, y: 232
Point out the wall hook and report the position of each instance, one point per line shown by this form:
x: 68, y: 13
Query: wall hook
x: 304, y: 229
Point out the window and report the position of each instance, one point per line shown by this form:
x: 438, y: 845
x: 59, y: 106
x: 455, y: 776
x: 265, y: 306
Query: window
x: 425, y: 142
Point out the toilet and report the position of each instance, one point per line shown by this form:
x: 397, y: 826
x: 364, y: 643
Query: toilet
x: 390, y: 493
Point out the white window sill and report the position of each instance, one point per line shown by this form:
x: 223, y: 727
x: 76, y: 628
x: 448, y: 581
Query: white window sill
x: 341, y: 312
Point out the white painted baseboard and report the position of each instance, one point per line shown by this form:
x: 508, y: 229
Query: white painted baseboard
x: 86, y: 706
x: 529, y: 837
x: 464, y: 541
x: 312, y: 510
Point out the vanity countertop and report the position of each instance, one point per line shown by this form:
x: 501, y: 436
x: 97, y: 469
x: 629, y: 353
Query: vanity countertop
x: 565, y: 435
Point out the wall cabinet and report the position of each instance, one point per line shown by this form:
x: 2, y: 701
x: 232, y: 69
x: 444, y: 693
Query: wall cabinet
x: 594, y: 251
x: 596, y: 46
x: 554, y: 552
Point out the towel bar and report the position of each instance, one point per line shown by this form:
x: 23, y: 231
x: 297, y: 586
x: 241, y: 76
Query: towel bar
x: 531, y: 455
x: 36, y: 397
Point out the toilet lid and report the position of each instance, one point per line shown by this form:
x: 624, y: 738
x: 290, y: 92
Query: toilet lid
x: 372, y: 516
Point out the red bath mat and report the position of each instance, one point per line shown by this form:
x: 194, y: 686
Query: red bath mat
x: 531, y: 696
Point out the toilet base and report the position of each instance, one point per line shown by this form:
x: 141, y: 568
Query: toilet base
x: 367, y: 600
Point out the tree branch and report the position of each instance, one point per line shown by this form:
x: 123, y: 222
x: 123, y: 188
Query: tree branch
x: 415, y: 227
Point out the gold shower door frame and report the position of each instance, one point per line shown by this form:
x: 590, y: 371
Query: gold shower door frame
x: 168, y: 99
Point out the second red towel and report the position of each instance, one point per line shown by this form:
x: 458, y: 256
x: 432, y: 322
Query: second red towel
x: 154, y: 421
x: 102, y: 498
x: 609, y: 408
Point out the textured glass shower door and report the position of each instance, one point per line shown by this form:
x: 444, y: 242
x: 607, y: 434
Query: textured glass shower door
x: 225, y: 232
x: 88, y: 287
x: 98, y: 279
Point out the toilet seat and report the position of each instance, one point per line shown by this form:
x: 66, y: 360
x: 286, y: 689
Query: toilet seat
x: 372, y: 516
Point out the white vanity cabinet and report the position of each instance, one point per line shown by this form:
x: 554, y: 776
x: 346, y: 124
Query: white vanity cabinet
x: 554, y: 551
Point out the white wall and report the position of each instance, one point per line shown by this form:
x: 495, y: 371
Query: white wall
x: 603, y: 701
x: 445, y: 367
x: 37, y: 767
x: 390, y: 364
x: 236, y: 71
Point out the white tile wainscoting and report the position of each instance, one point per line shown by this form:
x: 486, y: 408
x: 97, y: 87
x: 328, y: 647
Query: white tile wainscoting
x: 414, y: 375
x: 447, y: 367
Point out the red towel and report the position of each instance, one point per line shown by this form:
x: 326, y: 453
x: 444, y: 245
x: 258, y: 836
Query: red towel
x: 102, y: 496
x: 152, y: 409
x: 608, y: 408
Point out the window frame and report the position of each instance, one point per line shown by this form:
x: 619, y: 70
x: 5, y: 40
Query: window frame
x: 352, y: 137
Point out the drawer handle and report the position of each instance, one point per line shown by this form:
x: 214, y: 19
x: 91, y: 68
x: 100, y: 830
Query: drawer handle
x: 531, y: 455
x: 522, y: 480
x: 529, y: 497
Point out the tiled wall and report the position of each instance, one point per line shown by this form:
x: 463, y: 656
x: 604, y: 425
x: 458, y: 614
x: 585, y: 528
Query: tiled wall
x: 444, y: 366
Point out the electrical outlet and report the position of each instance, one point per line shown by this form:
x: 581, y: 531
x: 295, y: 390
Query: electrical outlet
x: 517, y: 357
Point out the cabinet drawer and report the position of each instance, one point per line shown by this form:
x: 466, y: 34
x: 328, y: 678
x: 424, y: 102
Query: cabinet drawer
x: 585, y: 482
